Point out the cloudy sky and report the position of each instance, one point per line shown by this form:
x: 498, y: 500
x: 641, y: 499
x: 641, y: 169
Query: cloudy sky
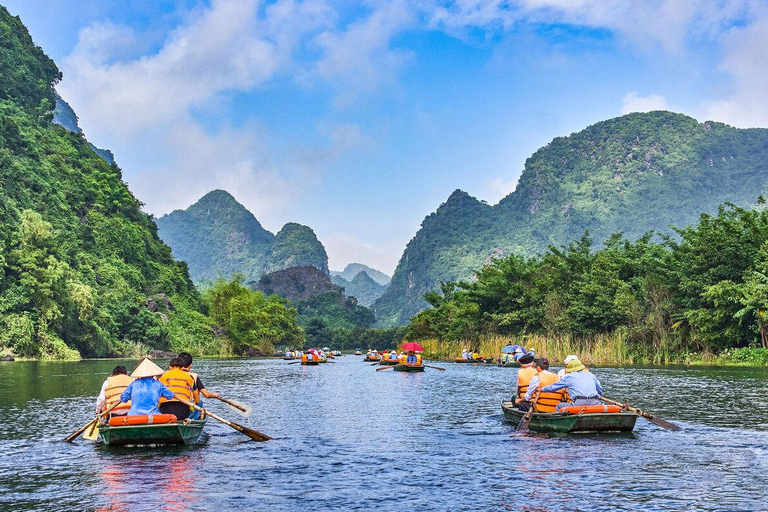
x: 358, y: 118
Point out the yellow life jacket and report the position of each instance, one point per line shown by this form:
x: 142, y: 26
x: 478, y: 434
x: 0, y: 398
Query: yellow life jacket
x: 418, y: 359
x: 548, y: 401
x: 180, y: 382
x: 524, y: 376
x: 116, y: 384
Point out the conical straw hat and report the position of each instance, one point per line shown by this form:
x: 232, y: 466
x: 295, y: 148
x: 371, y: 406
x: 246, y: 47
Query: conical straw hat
x: 146, y: 368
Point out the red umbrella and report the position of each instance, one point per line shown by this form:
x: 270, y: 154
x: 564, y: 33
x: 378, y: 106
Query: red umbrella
x: 413, y: 346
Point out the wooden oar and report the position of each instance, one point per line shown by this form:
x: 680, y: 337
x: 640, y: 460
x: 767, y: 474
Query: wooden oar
x: 294, y: 362
x: 650, y: 417
x: 523, y: 425
x: 385, y: 368
x: 434, y: 367
x: 242, y: 409
x: 253, y: 434
x: 82, y: 429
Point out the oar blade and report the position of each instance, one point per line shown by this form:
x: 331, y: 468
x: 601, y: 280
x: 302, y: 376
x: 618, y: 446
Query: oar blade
x: 242, y: 409
x: 91, y: 434
x: 662, y: 423
x: 383, y: 369
x: 253, y: 434
x: 524, y: 422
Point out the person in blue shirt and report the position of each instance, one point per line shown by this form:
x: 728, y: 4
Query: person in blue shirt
x: 411, y: 359
x: 145, y: 391
x: 583, y: 386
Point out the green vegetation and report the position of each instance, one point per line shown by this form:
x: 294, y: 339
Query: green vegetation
x: 82, y: 270
x: 633, y: 174
x: 218, y: 237
x: 254, y: 324
x: 643, y: 301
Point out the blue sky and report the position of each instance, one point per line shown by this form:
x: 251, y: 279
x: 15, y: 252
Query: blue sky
x: 360, y: 118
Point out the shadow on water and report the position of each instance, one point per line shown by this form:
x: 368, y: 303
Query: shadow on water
x: 350, y: 438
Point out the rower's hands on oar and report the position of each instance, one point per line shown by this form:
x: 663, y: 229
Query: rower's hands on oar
x: 650, y: 417
x: 95, y: 420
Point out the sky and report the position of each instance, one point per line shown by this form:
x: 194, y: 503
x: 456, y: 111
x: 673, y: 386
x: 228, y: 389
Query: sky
x: 359, y: 118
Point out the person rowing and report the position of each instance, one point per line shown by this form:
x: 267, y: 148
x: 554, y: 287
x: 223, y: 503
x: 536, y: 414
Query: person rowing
x: 111, y: 390
x: 145, y: 391
x: 524, y: 376
x: 182, y: 384
x: 547, y: 402
x: 199, y: 387
x: 583, y: 387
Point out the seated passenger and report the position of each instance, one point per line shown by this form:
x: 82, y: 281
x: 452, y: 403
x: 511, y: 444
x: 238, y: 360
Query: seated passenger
x: 583, y: 387
x: 111, y: 390
x: 393, y: 355
x: 546, y: 402
x: 411, y: 359
x: 182, y: 384
x: 524, y: 376
x: 145, y: 391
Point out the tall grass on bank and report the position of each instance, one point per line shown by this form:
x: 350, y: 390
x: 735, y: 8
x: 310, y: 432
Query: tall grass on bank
x: 613, y: 348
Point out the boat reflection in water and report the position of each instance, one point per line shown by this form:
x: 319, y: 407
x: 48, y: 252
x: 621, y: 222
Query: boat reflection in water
x: 128, y: 478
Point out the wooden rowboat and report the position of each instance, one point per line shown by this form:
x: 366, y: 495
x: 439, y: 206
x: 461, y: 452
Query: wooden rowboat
x: 162, y: 434
x: 372, y: 359
x: 389, y: 362
x: 559, y: 422
x: 409, y: 368
x: 310, y: 363
x: 462, y: 360
x: 509, y: 365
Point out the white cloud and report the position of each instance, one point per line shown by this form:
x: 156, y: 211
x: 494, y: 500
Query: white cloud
x: 746, y: 60
x: 633, y: 102
x: 217, y: 51
x: 359, y: 59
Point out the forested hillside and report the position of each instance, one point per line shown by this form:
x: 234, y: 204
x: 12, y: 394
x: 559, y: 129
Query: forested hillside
x: 640, y: 301
x: 82, y: 270
x: 219, y: 237
x: 632, y: 174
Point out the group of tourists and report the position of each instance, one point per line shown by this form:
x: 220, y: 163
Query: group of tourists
x: 150, y: 390
x: 546, y: 391
x: 471, y: 354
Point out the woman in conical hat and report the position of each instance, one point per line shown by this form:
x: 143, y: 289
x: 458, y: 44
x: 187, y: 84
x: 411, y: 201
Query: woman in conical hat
x: 145, y: 391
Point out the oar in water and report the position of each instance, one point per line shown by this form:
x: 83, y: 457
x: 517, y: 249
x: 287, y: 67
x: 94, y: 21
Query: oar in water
x: 253, y: 434
x: 434, y: 367
x: 385, y: 368
x: 242, y: 409
x: 82, y: 429
x: 523, y: 425
x: 650, y: 417
x: 294, y: 362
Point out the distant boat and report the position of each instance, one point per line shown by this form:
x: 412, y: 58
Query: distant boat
x: 409, y: 368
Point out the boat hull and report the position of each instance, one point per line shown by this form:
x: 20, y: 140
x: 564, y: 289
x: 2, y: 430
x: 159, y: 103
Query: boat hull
x: 509, y: 365
x: 409, y: 368
x: 310, y: 363
x: 181, y: 433
x: 564, y: 423
x: 388, y: 362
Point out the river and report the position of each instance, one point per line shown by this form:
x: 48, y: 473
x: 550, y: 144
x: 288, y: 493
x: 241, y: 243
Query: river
x: 350, y: 438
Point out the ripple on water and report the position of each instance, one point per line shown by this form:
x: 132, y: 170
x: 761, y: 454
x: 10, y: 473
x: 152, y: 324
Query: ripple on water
x: 349, y: 438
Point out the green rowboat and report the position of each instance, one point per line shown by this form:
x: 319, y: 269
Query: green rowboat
x: 509, y: 365
x: 389, y: 362
x: 409, y: 368
x: 563, y: 423
x: 161, y: 434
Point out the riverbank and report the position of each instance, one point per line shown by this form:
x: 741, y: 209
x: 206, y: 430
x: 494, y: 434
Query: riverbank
x: 600, y: 350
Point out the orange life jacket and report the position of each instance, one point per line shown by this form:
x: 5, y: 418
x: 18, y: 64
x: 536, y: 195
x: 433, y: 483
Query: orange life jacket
x: 548, y: 401
x: 304, y: 358
x: 180, y: 382
x: 524, y: 376
x: 116, y: 384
